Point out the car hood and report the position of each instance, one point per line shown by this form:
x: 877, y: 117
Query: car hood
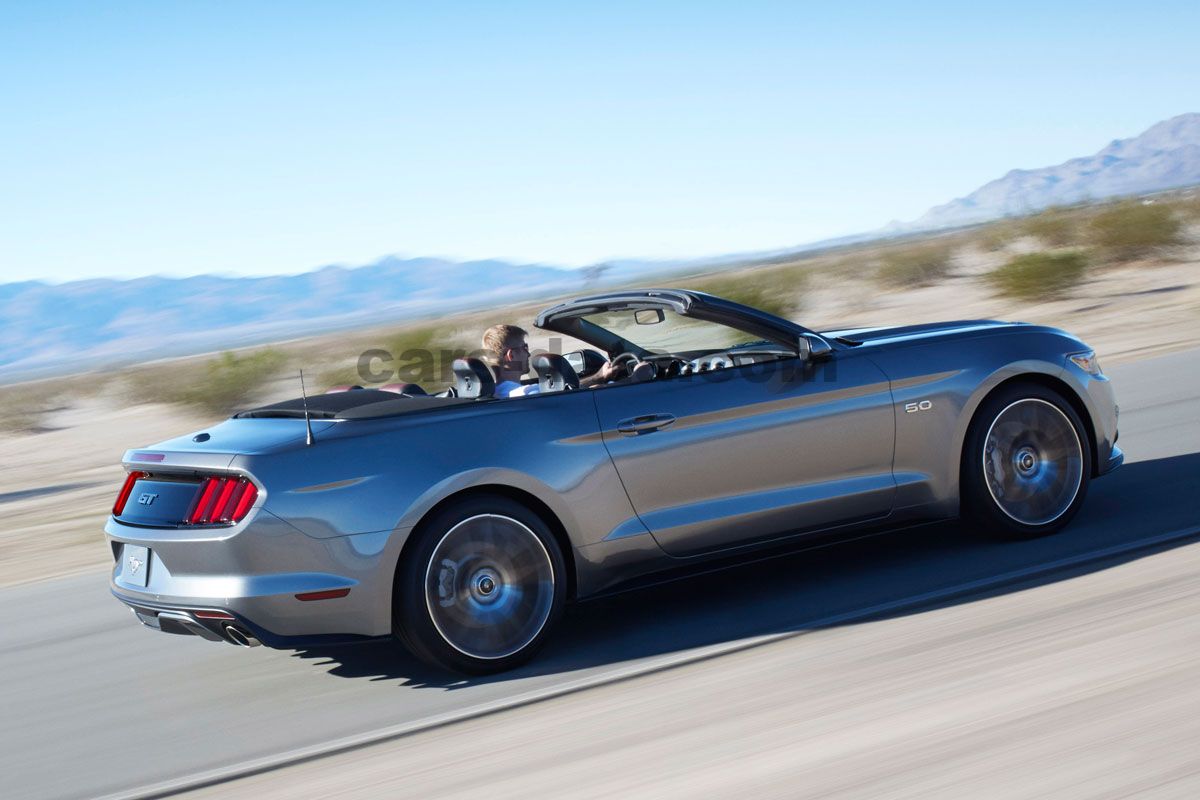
x: 913, y: 333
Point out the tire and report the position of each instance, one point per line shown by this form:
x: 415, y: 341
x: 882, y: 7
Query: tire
x: 481, y: 586
x: 1027, y: 462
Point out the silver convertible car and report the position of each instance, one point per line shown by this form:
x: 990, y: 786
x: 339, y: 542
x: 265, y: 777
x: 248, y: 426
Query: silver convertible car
x: 462, y: 523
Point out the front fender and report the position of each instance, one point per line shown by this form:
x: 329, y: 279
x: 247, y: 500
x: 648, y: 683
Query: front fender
x: 936, y: 390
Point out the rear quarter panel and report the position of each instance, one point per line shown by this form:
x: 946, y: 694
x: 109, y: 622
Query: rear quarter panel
x: 383, y: 476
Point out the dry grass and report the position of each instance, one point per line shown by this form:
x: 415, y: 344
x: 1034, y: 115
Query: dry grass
x: 418, y: 354
x: 1039, y: 275
x: 1055, y: 227
x: 914, y: 265
x: 776, y: 290
x: 1132, y: 229
x: 220, y: 385
x: 1189, y: 209
x: 25, y: 406
x: 997, y: 235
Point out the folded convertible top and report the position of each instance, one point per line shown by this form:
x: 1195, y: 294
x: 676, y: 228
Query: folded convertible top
x: 354, y: 404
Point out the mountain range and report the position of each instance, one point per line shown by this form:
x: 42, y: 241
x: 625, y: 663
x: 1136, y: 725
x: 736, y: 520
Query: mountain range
x: 1166, y: 156
x: 48, y: 328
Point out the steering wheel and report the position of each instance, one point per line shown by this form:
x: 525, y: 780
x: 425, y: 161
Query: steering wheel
x: 630, y: 362
x: 625, y: 361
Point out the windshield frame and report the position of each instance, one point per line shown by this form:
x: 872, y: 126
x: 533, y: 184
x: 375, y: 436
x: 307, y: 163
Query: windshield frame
x: 675, y: 334
x: 568, y: 318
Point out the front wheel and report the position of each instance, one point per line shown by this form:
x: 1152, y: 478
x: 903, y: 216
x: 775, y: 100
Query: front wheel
x: 480, y: 587
x: 1026, y: 463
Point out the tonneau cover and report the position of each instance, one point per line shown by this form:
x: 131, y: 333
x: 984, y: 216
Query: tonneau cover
x: 354, y: 404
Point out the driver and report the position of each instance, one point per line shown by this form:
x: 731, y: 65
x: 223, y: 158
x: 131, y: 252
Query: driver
x: 508, y: 351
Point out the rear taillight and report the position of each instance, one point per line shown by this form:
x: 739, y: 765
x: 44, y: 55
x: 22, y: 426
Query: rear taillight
x: 126, y: 490
x: 242, y: 507
x: 222, y: 500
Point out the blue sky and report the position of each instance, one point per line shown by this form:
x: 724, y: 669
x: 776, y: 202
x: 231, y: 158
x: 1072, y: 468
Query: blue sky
x: 254, y: 138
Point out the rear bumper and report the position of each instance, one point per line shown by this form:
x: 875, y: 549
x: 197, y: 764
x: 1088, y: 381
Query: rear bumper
x: 237, y: 629
x: 253, y: 572
x: 185, y: 621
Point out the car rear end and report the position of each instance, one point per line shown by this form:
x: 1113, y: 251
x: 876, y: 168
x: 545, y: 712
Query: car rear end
x: 197, y: 550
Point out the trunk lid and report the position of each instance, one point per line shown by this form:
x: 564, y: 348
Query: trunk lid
x: 216, y: 447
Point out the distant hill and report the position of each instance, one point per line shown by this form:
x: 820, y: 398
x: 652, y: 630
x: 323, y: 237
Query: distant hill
x: 1167, y: 156
x: 47, y: 329
x: 99, y: 321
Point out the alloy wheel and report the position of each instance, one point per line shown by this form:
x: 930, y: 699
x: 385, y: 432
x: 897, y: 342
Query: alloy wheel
x: 489, y: 586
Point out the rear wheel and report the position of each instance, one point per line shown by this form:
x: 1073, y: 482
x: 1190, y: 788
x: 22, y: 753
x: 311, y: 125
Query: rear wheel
x: 481, y: 586
x: 1026, y: 463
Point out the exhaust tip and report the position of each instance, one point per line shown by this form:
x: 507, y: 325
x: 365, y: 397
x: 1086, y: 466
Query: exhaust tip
x: 240, y: 637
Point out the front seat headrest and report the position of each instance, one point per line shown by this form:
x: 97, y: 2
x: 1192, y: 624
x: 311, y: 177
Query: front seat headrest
x: 473, y: 378
x: 554, y: 373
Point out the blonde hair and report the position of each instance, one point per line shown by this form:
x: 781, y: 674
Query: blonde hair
x: 497, y: 337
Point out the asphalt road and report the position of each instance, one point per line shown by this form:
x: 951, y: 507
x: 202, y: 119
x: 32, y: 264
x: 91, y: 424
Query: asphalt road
x: 94, y: 704
x: 1077, y: 688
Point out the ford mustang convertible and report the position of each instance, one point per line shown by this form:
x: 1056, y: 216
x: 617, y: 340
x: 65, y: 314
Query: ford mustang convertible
x: 462, y: 523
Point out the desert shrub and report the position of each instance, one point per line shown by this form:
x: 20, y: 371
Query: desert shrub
x: 1131, y: 229
x: 777, y: 290
x: 997, y: 235
x: 340, y: 375
x: 1055, y: 227
x: 1039, y: 275
x: 427, y: 338
x: 425, y: 354
x: 914, y: 265
x: 218, y: 386
x: 24, y: 406
x: 158, y: 383
x: 419, y: 354
x: 1188, y: 208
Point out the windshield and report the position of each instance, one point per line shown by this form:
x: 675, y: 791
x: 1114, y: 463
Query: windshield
x: 674, y: 334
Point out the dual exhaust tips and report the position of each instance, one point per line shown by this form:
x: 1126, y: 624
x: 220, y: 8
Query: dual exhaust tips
x: 189, y: 622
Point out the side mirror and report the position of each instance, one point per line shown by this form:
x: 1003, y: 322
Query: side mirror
x: 814, y: 348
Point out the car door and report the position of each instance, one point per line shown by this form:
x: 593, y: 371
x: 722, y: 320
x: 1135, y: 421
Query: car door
x: 751, y: 453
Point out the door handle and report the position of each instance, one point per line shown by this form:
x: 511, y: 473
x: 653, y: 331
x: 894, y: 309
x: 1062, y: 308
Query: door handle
x: 645, y: 423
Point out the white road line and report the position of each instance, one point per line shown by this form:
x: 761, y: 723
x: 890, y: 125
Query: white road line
x: 655, y: 664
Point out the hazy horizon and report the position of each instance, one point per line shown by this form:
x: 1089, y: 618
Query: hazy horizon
x: 180, y: 140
